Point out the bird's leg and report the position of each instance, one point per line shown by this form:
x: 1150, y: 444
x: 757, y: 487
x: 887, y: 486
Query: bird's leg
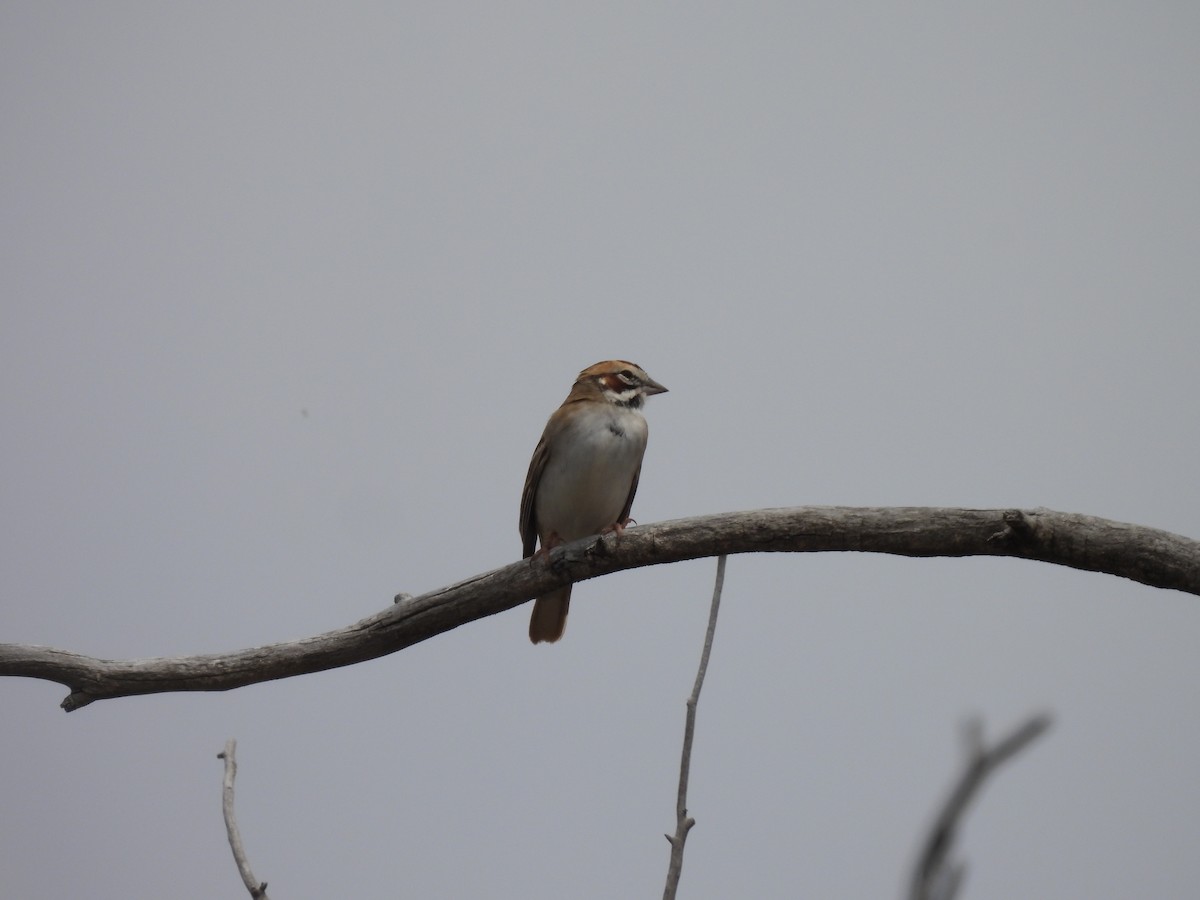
x: 617, y: 527
x: 551, y: 541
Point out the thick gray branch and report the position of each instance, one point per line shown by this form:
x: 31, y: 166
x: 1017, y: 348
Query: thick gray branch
x: 1156, y: 558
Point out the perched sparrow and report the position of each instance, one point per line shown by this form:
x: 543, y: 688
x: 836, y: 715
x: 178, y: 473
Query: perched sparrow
x: 584, y: 472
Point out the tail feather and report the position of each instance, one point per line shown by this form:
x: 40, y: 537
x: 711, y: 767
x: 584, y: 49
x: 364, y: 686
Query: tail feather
x: 549, y: 619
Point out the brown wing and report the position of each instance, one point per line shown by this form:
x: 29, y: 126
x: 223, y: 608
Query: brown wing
x: 629, y: 500
x: 529, y: 528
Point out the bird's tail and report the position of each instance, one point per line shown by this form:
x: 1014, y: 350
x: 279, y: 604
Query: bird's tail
x: 549, y: 619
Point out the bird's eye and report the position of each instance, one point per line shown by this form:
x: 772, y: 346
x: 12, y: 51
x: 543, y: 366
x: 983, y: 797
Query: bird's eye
x: 628, y: 377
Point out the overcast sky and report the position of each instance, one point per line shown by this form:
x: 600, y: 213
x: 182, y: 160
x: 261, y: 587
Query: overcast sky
x: 288, y: 292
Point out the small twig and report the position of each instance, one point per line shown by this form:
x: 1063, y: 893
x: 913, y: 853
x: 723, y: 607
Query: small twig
x: 257, y: 889
x: 936, y: 876
x: 684, y: 822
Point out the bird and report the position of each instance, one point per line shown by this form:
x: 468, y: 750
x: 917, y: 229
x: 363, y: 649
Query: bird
x: 584, y: 472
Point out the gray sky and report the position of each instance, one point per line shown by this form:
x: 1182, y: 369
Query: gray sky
x: 288, y: 293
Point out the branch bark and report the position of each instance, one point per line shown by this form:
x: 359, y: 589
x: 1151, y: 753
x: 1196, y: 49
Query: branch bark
x: 1147, y: 555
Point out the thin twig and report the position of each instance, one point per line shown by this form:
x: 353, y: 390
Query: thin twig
x: 937, y: 876
x: 684, y: 822
x: 257, y: 889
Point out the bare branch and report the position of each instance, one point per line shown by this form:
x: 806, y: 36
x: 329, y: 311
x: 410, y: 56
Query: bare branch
x: 1152, y: 557
x: 257, y: 889
x: 684, y: 822
x: 936, y: 876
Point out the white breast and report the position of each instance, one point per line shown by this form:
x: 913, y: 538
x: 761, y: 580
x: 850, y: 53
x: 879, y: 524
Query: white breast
x: 590, y: 471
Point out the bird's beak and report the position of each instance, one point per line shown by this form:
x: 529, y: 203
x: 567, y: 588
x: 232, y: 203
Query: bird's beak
x: 650, y: 386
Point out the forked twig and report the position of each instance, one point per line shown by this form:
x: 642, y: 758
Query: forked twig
x: 684, y: 822
x: 937, y: 876
x: 257, y: 889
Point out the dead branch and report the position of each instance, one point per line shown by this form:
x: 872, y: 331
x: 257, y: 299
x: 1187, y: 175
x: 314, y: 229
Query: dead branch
x: 1147, y: 555
x: 937, y: 876
x: 257, y: 889
x: 684, y: 822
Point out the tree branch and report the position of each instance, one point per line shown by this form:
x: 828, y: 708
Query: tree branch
x: 684, y: 822
x: 936, y: 876
x: 1152, y: 557
x: 257, y: 889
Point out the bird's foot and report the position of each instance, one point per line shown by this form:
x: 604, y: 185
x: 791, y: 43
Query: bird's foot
x: 618, y: 527
x: 552, y: 541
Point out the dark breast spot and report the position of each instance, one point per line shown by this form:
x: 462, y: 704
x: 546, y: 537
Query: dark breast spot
x: 615, y: 427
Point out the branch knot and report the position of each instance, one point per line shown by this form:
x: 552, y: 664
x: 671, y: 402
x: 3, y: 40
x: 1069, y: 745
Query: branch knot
x: 1017, y: 528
